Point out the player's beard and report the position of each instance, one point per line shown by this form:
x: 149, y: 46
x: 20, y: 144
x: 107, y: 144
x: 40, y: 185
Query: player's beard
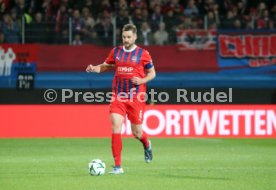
x: 128, y: 45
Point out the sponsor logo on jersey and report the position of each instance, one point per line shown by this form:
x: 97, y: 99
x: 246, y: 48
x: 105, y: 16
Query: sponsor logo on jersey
x: 125, y: 69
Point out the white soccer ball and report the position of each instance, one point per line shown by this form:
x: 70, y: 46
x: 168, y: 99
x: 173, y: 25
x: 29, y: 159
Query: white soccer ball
x: 96, y: 167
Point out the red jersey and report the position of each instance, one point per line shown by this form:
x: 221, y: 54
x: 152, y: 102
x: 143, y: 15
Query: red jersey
x: 129, y: 64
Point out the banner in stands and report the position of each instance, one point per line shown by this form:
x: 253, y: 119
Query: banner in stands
x: 242, y: 51
x: 76, y: 58
x: 176, y: 121
x: 26, y: 53
x: 196, y: 39
x: 13, y: 56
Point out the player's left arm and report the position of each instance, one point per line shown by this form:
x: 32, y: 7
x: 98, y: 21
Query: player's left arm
x: 150, y: 75
x: 149, y: 69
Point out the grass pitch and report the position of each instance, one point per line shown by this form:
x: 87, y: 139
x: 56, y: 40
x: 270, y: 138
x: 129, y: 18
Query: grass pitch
x: 191, y: 164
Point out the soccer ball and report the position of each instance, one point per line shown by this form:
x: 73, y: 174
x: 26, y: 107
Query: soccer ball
x: 96, y: 167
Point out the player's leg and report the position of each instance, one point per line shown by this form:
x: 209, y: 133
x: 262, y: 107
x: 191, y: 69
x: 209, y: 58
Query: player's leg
x: 143, y: 138
x: 135, y: 114
x: 138, y: 133
x: 117, y: 115
x: 116, y: 142
x: 116, y: 122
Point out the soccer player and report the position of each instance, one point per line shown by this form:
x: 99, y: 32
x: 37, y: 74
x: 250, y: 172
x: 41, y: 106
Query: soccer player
x: 133, y: 69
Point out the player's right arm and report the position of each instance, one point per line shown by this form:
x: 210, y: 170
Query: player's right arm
x: 108, y: 65
x: 99, y: 68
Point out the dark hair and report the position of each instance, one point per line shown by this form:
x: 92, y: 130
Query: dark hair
x: 130, y: 27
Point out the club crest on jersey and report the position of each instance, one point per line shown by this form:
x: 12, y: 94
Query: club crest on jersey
x: 134, y: 59
x: 118, y: 58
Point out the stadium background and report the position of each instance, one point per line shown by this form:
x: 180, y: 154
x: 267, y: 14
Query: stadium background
x: 195, y: 44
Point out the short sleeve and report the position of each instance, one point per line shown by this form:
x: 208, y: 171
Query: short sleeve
x: 147, y: 60
x: 110, y: 57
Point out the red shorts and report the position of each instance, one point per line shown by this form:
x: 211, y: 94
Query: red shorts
x: 134, y: 109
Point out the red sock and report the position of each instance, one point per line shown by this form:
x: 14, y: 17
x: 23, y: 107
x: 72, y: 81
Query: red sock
x: 144, y: 139
x: 117, y: 148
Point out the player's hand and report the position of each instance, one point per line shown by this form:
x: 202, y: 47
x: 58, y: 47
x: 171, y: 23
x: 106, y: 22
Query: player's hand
x: 92, y: 69
x: 137, y: 80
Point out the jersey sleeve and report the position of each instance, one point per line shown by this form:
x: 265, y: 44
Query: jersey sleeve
x: 110, y: 57
x: 147, y: 60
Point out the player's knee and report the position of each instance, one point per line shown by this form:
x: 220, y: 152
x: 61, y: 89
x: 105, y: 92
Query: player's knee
x: 116, y: 124
x: 136, y: 134
x: 116, y: 128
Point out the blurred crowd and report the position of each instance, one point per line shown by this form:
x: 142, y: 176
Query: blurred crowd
x: 99, y: 21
